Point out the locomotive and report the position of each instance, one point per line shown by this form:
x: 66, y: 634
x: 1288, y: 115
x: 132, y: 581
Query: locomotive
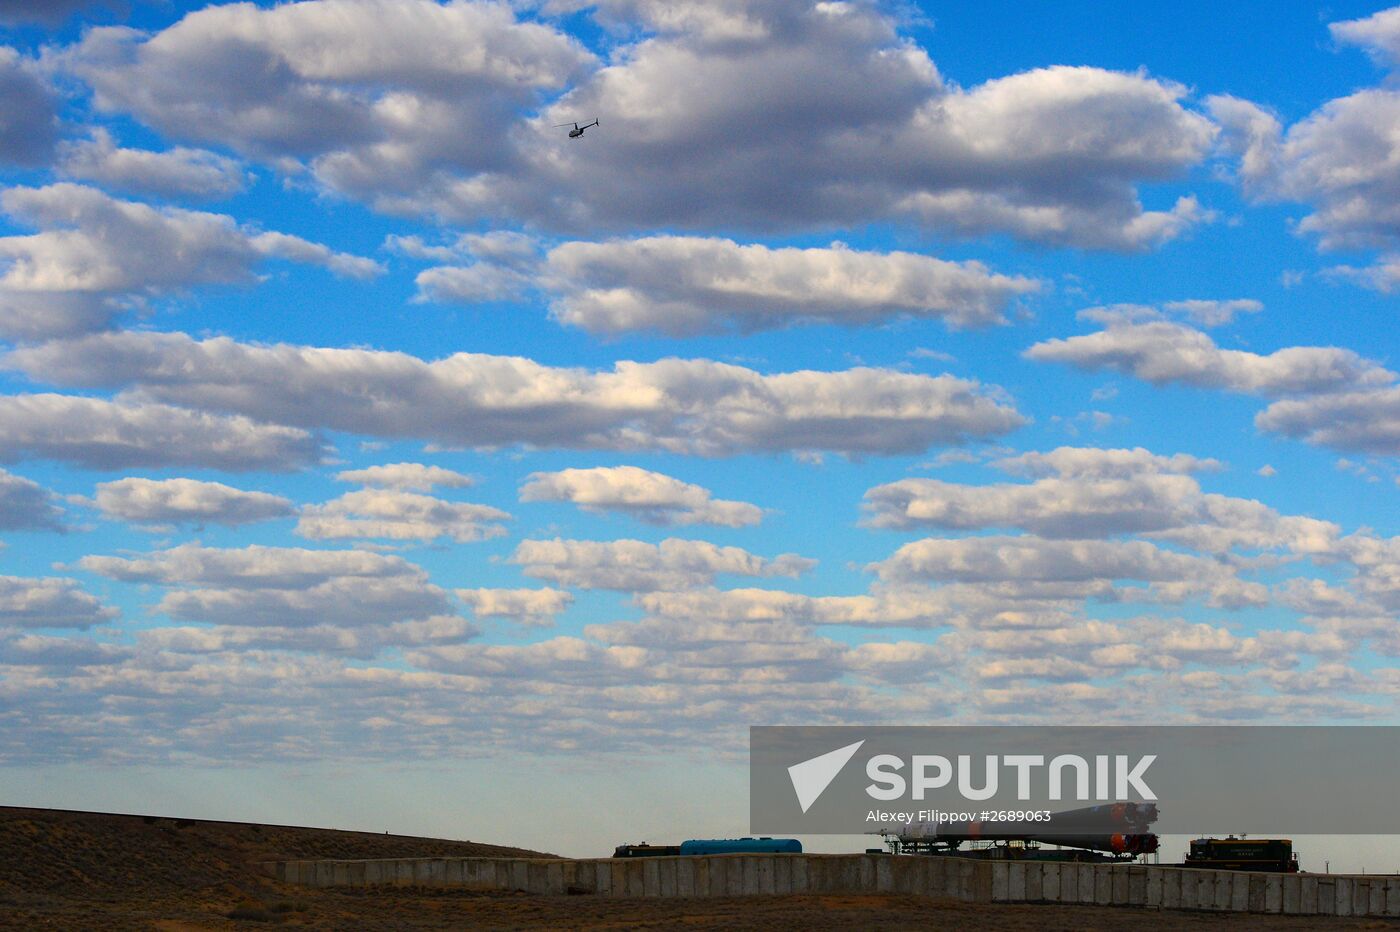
x: 1243, y: 854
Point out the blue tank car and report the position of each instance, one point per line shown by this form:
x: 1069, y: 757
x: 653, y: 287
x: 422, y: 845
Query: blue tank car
x: 741, y: 846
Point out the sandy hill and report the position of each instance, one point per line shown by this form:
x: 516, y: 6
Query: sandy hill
x: 53, y: 861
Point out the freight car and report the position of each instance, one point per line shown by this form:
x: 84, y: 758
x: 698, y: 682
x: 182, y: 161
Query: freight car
x: 741, y: 846
x: 1243, y: 854
x: 1114, y: 832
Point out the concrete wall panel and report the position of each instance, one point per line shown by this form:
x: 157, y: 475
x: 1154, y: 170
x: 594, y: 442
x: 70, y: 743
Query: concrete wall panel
x: 959, y: 878
x: 1326, y: 896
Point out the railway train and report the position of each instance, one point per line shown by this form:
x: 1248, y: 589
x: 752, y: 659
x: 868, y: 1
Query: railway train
x: 698, y: 846
x: 1114, y: 832
x: 1274, y: 855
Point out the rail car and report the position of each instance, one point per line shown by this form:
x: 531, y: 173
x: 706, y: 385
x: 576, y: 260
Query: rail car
x: 741, y: 846
x: 1243, y: 854
x: 697, y: 846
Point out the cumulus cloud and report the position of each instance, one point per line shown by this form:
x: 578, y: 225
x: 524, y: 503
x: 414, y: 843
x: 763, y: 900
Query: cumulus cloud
x: 830, y: 117
x: 646, y: 495
x: 1214, y: 313
x: 100, y: 434
x: 364, y: 641
x: 1051, y: 155
x: 364, y: 88
x: 349, y: 601
x: 1378, y: 34
x: 281, y: 586
x: 1365, y: 421
x: 1086, y: 501
x: 1383, y: 275
x: 49, y: 603
x: 175, y: 501
x: 179, y: 172
x: 412, y: 476
x: 95, y: 254
x: 685, y: 406
x: 28, y: 112
x: 248, y: 567
x: 920, y: 607
x: 683, y: 285
x: 1340, y: 159
x: 1067, y: 508
x: 1028, y: 558
x: 394, y: 514
x: 1163, y: 352
x: 529, y: 607
x: 26, y: 505
x: 1096, y: 462
x: 636, y: 566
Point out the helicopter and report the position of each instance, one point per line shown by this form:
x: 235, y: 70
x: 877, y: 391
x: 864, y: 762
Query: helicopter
x: 577, y: 130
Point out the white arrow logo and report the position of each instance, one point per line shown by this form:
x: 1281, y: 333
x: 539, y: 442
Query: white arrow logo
x: 811, y: 777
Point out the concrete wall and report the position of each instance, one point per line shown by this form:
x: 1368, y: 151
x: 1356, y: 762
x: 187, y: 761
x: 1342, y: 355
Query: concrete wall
x: 956, y: 878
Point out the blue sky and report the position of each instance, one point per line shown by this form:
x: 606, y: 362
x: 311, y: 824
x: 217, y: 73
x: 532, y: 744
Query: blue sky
x: 868, y: 363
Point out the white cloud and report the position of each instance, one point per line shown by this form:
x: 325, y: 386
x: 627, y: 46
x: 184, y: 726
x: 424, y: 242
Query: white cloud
x: 636, y: 566
x: 1094, y: 462
x: 1365, y: 421
x: 1061, y: 508
x: 179, y: 172
x: 991, y: 559
x: 64, y: 654
x: 684, y: 285
x: 685, y: 406
x: 414, y: 476
x: 1214, y: 313
x: 1162, y: 352
x: 95, y: 254
x: 1051, y: 155
x: 1340, y: 159
x: 252, y: 566
x: 101, y: 434
x: 648, y: 496
x: 1378, y: 33
x: 1383, y: 275
x: 281, y: 586
x: 911, y: 606
x: 368, y: 88
x: 186, y: 500
x: 529, y: 607
x: 394, y: 514
x: 364, y: 641
x: 829, y: 117
x: 472, y: 283
x: 49, y: 603
x: 28, y: 117
x: 26, y: 505
x: 348, y: 601
x: 1084, y: 503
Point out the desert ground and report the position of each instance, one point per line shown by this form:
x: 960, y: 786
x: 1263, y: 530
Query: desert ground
x: 76, y: 870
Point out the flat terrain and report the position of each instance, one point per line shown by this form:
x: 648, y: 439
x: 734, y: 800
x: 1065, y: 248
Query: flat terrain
x: 69, y: 870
